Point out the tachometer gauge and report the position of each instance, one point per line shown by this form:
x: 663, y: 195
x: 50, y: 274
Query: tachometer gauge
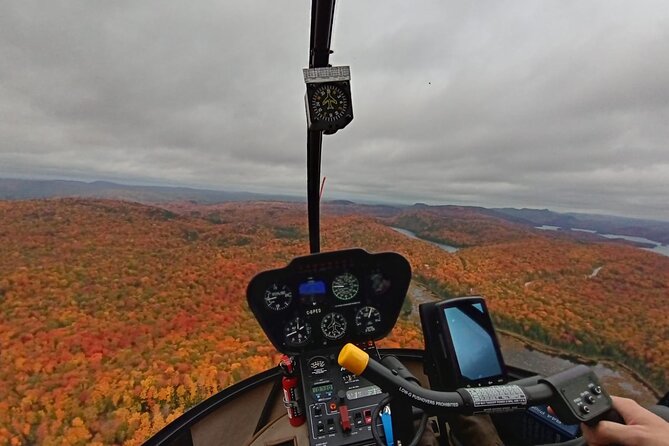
x: 333, y: 326
x: 345, y: 286
x: 367, y: 319
x: 278, y: 297
x: 297, y: 332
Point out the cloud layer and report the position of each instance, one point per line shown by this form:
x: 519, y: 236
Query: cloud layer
x: 560, y: 104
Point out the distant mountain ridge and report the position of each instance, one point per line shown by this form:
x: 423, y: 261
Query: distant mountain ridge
x: 602, y: 224
x: 18, y: 189
x: 21, y: 189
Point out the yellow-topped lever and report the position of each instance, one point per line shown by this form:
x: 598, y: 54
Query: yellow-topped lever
x: 353, y: 359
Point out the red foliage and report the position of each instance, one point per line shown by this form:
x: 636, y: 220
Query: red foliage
x: 117, y: 317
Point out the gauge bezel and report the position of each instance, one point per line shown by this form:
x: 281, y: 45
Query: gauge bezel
x: 319, y: 370
x: 337, y: 292
x: 281, y: 288
x: 362, y: 327
x: 342, y: 322
x: 307, y: 326
x: 323, y: 109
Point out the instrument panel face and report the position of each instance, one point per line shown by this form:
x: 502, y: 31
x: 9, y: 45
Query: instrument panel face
x: 328, y: 299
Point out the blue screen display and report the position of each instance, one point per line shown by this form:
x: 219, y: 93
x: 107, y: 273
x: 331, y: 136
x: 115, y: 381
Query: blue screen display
x: 312, y: 287
x: 474, y: 347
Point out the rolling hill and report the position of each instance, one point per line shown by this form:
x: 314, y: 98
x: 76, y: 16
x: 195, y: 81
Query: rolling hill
x: 17, y: 189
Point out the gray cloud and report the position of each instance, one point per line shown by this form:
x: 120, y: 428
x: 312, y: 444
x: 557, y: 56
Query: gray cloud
x: 559, y: 104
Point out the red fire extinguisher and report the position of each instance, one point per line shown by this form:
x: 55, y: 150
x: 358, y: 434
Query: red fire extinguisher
x: 292, y: 397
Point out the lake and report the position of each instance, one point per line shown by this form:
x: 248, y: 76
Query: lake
x: 658, y: 247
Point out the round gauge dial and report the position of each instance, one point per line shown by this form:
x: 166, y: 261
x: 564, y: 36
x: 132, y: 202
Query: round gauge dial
x: 278, y: 297
x: 329, y: 102
x: 345, y: 286
x: 318, y: 365
x: 297, y: 332
x: 333, y: 325
x: 368, y: 319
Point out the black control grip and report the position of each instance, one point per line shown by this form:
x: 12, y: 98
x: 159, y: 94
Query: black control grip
x: 613, y: 415
x: 575, y: 394
x: 397, y: 368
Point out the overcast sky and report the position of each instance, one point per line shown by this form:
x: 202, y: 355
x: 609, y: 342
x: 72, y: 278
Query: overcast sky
x: 558, y: 104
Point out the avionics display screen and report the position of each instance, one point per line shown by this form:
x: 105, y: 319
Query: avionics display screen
x: 363, y: 392
x: 323, y: 388
x: 312, y: 287
x: 472, y: 341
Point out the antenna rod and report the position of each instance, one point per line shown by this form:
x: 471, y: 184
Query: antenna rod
x: 322, y: 15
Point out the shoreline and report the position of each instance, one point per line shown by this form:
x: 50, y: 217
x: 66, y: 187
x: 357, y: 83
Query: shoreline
x: 575, y: 357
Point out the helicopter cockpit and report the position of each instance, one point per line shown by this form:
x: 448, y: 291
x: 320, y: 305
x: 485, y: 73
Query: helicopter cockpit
x: 325, y: 312
x: 311, y: 309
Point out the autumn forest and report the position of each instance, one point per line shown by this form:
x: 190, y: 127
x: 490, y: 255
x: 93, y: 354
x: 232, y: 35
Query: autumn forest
x: 116, y: 317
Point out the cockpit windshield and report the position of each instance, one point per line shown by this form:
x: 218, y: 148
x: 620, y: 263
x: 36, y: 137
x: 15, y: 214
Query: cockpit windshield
x: 152, y: 163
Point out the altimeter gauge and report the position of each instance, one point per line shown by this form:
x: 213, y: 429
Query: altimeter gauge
x: 333, y: 326
x: 367, y: 319
x: 345, y: 286
x: 297, y: 332
x: 278, y: 297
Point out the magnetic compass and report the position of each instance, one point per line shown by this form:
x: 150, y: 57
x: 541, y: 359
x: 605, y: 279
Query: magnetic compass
x: 329, y: 102
x: 328, y: 98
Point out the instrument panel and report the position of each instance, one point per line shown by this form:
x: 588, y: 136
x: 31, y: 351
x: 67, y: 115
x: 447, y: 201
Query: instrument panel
x: 328, y: 299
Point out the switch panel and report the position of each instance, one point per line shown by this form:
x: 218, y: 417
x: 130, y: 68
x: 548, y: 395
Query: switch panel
x: 580, y: 397
x: 339, y: 404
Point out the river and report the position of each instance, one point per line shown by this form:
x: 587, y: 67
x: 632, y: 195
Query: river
x: 445, y: 247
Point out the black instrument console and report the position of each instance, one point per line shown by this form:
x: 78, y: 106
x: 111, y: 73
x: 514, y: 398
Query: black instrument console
x: 339, y: 404
x: 314, y: 306
x: 328, y: 299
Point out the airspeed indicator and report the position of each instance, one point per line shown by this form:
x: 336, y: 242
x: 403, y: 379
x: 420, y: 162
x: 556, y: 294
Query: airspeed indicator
x: 345, y: 286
